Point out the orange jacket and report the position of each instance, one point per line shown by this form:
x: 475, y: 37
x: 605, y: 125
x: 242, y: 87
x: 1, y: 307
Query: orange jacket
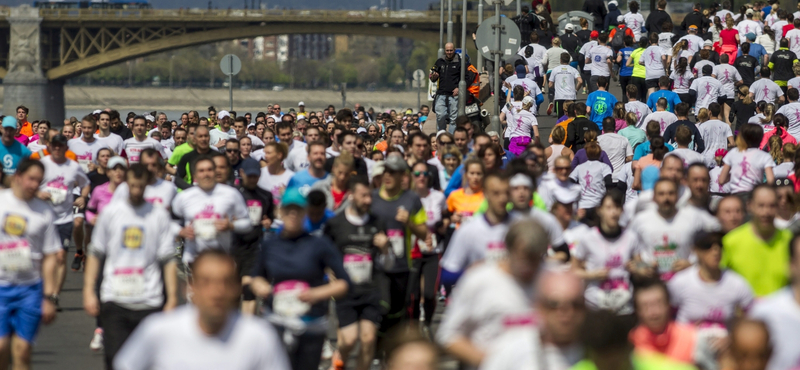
x: 475, y: 87
x: 26, y: 129
x: 70, y: 154
x: 677, y: 342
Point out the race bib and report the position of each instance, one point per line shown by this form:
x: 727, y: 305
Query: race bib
x: 398, y: 242
x: 495, y: 252
x: 84, y: 163
x: 15, y: 256
x: 665, y: 259
x: 58, y: 194
x: 204, y: 228
x: 128, y: 282
x: 254, y: 210
x: 285, y: 301
x: 358, y: 267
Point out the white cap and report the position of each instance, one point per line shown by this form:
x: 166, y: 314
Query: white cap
x: 708, y: 43
x: 116, y: 161
x: 150, y: 118
x: 222, y: 114
x: 621, y: 18
x: 613, y: 2
x: 360, y: 130
x: 97, y: 111
x: 440, y: 133
x: 527, y: 100
x: 749, y: 12
x: 301, y: 104
x: 569, y: 26
x: 301, y: 116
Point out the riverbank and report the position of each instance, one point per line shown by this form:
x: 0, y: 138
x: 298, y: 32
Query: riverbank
x: 183, y: 99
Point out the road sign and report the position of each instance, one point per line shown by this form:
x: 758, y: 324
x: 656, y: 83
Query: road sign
x: 486, y: 37
x: 419, y: 75
x: 506, y: 2
x: 230, y: 65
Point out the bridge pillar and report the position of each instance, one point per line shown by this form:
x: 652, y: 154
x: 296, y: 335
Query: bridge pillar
x: 25, y: 84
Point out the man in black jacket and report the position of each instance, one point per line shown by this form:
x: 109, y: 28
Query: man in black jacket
x: 696, y: 18
x: 578, y: 127
x: 657, y: 18
x: 527, y: 23
x: 597, y: 8
x: 447, y: 72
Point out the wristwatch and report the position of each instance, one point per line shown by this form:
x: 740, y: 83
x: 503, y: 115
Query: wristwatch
x: 53, y: 298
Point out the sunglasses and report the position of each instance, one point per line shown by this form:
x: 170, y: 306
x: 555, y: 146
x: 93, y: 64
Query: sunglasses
x: 420, y: 173
x: 552, y: 305
x: 232, y: 150
x: 567, y: 168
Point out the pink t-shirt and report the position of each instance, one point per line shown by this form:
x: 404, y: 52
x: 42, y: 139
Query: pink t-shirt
x: 100, y: 198
x: 22, y: 139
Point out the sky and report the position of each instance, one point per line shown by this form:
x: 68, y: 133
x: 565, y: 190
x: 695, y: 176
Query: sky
x: 293, y: 4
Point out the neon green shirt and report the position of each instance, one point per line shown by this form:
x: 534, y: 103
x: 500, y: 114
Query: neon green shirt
x: 764, y: 264
x: 178, y: 153
x: 638, y: 69
x: 538, y: 202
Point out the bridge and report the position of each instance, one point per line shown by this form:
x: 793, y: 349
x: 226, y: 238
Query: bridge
x: 47, y: 46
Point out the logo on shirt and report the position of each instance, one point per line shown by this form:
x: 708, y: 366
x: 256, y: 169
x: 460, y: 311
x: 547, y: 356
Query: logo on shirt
x: 14, y: 225
x: 132, y: 237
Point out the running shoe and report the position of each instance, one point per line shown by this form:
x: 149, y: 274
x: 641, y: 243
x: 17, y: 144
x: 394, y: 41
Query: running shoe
x: 327, y: 350
x: 77, y: 262
x: 97, y: 340
x: 550, y: 109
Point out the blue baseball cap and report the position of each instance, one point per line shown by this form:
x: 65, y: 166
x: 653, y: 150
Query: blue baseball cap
x: 521, y: 72
x: 292, y: 197
x: 250, y: 167
x: 10, y: 121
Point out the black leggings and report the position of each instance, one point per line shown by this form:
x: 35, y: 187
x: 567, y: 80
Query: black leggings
x: 398, y: 303
x: 642, y: 86
x: 426, y: 266
x: 623, y: 83
x: 306, y: 352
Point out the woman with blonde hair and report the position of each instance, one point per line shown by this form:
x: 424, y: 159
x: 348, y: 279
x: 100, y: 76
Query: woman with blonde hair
x: 680, y: 50
x: 450, y: 157
x: 786, y: 164
x: 463, y: 203
x: 557, y: 148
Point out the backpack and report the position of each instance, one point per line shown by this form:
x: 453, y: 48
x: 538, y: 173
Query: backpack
x: 618, y: 42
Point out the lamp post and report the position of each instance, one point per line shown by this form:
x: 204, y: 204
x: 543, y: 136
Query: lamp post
x: 441, y: 29
x: 449, y: 21
x: 462, y: 83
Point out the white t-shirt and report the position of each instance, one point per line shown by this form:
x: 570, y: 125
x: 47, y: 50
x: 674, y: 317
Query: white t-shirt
x: 666, y: 241
x: 665, y: 42
x: 617, y: 148
x: 132, y: 148
x: 217, y: 135
x: 714, y: 186
x: 638, y: 108
x: 112, y: 141
x: 296, y: 160
x: 599, y: 253
x: 134, y: 241
x: 715, y: 134
x: 520, y: 123
x: 708, y: 91
x: 765, y: 89
x: 724, y: 13
x: 695, y: 43
x: 552, y: 190
x: 275, y: 184
x: 59, y: 180
x: 174, y: 340
x: 86, y: 152
x: 522, y: 349
x: 486, y: 303
x: 664, y: 118
x: 330, y: 153
x: 28, y: 234
x: 563, y: 78
x: 550, y: 224
x: 200, y: 209
x: 748, y: 26
x: 793, y: 82
x: 706, y: 304
x: 527, y: 84
x: 434, y: 205
x: 781, y: 312
x: 747, y: 169
x: 682, y: 81
x: 625, y: 174
x: 585, y: 52
x: 651, y: 60
x: 688, y: 156
x: 635, y: 21
x: 553, y: 57
x: 160, y: 194
x: 728, y: 75
x: 590, y: 175
x: 476, y: 240
x: 792, y: 113
x: 794, y: 40
x: 598, y: 55
x: 783, y: 170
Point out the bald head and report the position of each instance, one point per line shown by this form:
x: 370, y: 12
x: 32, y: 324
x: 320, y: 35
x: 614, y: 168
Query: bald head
x: 750, y: 345
x: 449, y: 50
x: 561, y: 305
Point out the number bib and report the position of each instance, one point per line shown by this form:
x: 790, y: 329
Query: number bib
x: 15, y: 256
x: 495, y: 252
x: 254, y: 210
x: 204, y: 228
x: 398, y: 242
x: 128, y: 282
x: 358, y: 267
x: 665, y: 259
x: 285, y: 301
x: 57, y: 194
x: 84, y: 163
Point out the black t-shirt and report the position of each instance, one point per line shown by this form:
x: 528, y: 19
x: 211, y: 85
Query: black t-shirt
x: 584, y: 35
x: 354, y: 242
x: 96, y: 179
x: 260, y: 204
x: 713, y: 57
x: 743, y: 112
x: 182, y: 175
x: 782, y: 60
x: 571, y: 43
x: 123, y: 132
x: 746, y: 65
x: 399, y: 240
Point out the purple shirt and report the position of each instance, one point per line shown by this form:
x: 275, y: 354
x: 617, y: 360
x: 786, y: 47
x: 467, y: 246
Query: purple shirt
x: 581, y: 157
x: 100, y: 198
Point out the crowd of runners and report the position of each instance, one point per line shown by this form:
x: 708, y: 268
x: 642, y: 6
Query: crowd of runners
x: 652, y: 229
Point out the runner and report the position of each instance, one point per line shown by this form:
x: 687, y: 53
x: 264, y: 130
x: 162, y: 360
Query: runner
x: 655, y: 61
x: 29, y: 253
x: 159, y: 191
x: 12, y: 151
x: 133, y: 243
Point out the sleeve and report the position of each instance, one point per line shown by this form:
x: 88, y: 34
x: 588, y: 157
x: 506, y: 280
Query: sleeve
x: 241, y: 217
x: 456, y: 257
x: 137, y: 351
x: 580, y: 251
x: 180, y: 170
x: 455, y: 181
x: 574, y: 174
x: 166, y: 251
x: 628, y: 149
x: 675, y: 290
x: 701, y: 144
x: 51, y: 243
x: 604, y: 159
x: 333, y: 260
x: 457, y: 317
x: 81, y: 178
x: 450, y: 203
x: 100, y: 235
x: 173, y: 159
x: 675, y: 100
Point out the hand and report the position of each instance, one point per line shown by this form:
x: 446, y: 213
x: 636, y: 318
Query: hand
x: 221, y: 143
x: 680, y: 265
x: 266, y: 223
x: 92, y: 166
x: 455, y: 92
x: 311, y: 296
x: 601, y: 274
x: 170, y: 304
x: 48, y: 311
x: 90, y: 303
x: 429, y: 241
x: 187, y: 233
x: 380, y: 240
x: 223, y: 224
x: 261, y: 288
x: 434, y: 76
x: 43, y: 195
x: 79, y: 202
x: 401, y: 216
x: 456, y: 218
